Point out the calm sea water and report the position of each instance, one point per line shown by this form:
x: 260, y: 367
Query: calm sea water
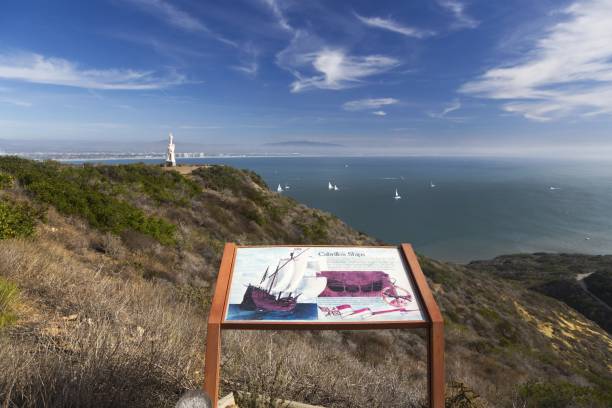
x: 479, y: 208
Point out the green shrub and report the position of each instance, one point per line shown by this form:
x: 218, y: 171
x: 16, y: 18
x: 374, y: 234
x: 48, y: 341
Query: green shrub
x: 315, y: 230
x: 161, y: 185
x: 6, y: 181
x: 219, y: 178
x: 8, y: 299
x: 560, y: 395
x: 17, y: 219
x: 87, y: 192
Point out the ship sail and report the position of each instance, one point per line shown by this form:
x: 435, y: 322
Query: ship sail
x: 279, y: 189
x: 281, y: 279
x: 335, y: 187
x: 298, y: 274
x: 330, y: 186
x: 312, y: 286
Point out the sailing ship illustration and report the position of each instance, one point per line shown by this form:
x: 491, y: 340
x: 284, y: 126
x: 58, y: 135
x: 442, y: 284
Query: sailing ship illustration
x: 278, y: 291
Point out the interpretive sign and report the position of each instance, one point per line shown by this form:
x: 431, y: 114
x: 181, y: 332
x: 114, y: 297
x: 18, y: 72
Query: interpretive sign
x: 323, y: 288
x: 323, y: 284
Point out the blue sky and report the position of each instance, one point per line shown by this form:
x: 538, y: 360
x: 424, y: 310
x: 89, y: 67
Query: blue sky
x: 389, y: 77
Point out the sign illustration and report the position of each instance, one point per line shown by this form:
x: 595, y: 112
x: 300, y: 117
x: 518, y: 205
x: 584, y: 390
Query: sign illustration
x: 324, y: 284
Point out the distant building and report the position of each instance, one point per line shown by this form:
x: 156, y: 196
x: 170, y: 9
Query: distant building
x: 170, y: 156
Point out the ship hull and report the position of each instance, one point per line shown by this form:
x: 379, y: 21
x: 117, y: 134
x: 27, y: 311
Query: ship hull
x: 355, y: 283
x: 260, y: 300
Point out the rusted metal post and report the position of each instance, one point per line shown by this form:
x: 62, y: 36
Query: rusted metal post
x: 212, y: 365
x: 435, y: 332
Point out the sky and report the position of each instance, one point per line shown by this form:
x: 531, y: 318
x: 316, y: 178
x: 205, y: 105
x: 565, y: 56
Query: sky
x: 381, y: 77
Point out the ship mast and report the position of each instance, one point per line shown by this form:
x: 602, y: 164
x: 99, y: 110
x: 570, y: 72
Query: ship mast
x: 278, y: 269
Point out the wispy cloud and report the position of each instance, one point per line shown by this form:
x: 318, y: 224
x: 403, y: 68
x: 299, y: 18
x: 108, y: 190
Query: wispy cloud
x: 568, y: 71
x: 248, y: 68
x: 457, y: 9
x: 390, y: 25
x: 367, y: 104
x: 379, y: 113
x: 318, y: 67
x: 162, y: 47
x: 170, y: 14
x: 278, y: 13
x: 339, y: 70
x: 36, y: 68
x: 248, y: 64
x: 16, y: 102
x: 174, y: 16
x: 199, y: 127
x: 455, y: 105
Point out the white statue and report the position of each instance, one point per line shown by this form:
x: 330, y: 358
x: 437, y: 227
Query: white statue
x: 170, y: 158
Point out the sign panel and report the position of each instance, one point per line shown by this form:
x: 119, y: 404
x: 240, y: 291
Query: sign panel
x: 321, y: 284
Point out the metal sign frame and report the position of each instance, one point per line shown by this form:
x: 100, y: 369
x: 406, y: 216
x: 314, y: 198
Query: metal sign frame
x: 433, y: 322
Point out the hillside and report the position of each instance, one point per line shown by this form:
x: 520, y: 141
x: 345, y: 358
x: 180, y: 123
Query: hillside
x: 581, y: 281
x: 106, y: 278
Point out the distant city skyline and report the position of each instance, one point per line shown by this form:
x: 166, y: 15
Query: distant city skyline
x: 325, y: 77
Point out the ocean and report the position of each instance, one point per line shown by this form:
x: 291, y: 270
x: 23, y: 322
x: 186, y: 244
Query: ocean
x: 478, y: 209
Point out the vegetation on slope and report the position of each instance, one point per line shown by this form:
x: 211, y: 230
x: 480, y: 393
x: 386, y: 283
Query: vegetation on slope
x: 117, y: 318
x: 87, y: 192
x: 17, y: 219
x: 583, y: 282
x: 8, y: 300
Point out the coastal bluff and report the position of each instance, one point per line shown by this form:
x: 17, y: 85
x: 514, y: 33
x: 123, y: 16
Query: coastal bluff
x: 108, y: 274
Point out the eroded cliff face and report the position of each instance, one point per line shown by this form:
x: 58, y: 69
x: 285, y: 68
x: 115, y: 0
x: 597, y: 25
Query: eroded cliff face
x: 115, y: 277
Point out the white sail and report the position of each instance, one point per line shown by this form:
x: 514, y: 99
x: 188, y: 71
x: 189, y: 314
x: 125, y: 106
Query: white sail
x: 282, y: 279
x: 431, y: 184
x: 335, y: 187
x: 279, y: 189
x: 311, y: 287
x: 329, y: 185
x: 298, y: 274
x: 397, y: 196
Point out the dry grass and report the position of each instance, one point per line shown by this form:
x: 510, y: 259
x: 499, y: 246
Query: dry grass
x: 94, y: 340
x: 87, y: 338
x: 318, y: 371
x: 8, y: 300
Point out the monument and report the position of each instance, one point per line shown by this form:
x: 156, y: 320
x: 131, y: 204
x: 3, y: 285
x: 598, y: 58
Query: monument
x: 170, y: 157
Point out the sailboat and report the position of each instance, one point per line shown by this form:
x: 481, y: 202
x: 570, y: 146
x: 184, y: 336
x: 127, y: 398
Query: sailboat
x: 279, y: 189
x: 288, y: 278
x: 330, y: 186
x: 397, y: 196
x: 431, y: 184
x: 287, y: 187
x: 336, y: 188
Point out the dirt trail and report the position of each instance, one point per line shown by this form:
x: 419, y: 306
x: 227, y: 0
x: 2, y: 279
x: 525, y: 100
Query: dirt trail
x: 580, y: 278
